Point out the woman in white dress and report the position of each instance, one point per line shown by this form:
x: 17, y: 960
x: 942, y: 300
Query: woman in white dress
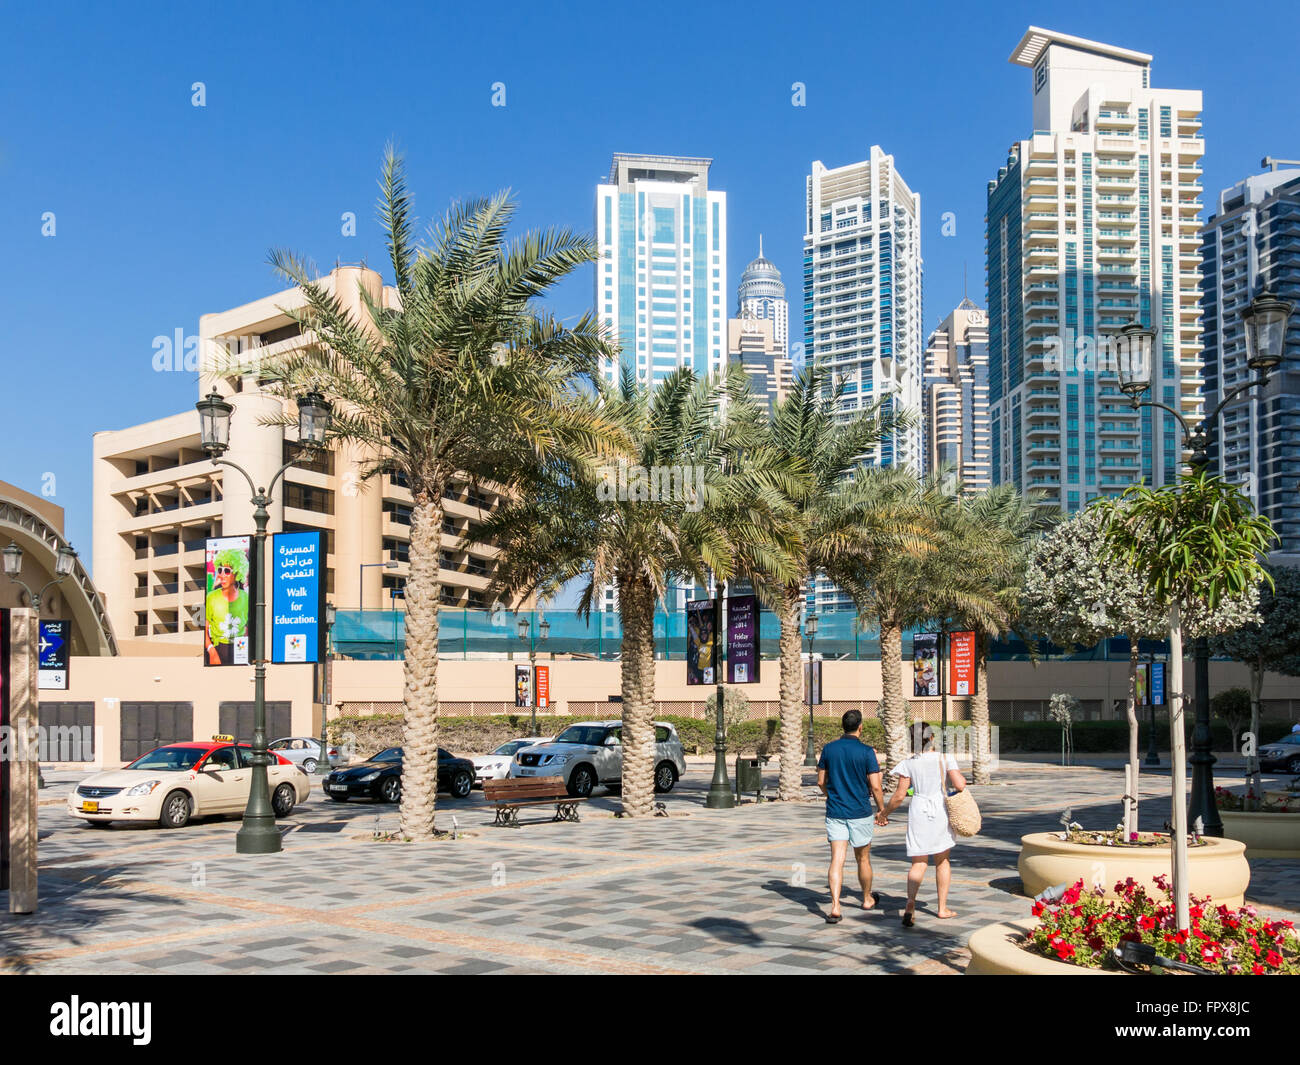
x: 928, y: 834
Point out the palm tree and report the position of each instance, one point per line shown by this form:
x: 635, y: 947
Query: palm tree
x: 837, y: 527
x: 618, y: 526
x: 467, y: 377
x: 975, y: 581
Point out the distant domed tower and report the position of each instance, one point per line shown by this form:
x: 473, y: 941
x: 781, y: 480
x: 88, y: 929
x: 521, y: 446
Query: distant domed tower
x: 761, y: 294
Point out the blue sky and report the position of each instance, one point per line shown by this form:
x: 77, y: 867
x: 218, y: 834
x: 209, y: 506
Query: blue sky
x: 165, y: 211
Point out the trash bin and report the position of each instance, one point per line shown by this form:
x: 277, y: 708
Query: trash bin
x: 749, y: 777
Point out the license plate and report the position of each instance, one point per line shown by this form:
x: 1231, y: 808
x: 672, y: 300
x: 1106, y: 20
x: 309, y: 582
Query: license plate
x: 528, y: 772
x: 90, y: 807
x: 337, y: 787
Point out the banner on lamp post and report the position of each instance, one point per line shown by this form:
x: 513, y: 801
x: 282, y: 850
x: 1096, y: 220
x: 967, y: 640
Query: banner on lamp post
x: 742, y: 640
x: 227, y: 607
x: 701, y: 641
x: 925, y: 663
x: 543, y: 687
x: 523, y: 688
x: 297, y: 598
x: 961, y: 657
x: 1157, y: 684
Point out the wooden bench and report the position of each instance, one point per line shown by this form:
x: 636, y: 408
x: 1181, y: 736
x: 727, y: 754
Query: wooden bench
x: 514, y: 793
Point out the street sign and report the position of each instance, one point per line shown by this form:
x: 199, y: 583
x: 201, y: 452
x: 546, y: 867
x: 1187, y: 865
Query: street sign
x: 54, y: 655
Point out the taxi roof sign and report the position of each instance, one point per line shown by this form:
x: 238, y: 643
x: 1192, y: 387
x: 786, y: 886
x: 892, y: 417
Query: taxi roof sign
x: 223, y: 738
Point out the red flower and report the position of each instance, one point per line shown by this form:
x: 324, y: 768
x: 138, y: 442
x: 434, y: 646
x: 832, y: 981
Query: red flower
x: 1274, y: 959
x: 1257, y: 970
x: 1064, y: 950
x: 1038, y: 909
x: 1210, y: 952
x: 1096, y: 943
x: 1146, y: 923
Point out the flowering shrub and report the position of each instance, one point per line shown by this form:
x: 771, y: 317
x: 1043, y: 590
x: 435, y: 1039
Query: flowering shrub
x: 1117, y: 838
x: 1272, y: 804
x: 1085, y: 927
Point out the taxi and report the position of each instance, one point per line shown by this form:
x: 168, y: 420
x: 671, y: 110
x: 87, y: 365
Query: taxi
x: 178, y: 782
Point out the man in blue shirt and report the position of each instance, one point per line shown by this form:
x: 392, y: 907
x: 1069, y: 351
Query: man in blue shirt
x: 849, y: 776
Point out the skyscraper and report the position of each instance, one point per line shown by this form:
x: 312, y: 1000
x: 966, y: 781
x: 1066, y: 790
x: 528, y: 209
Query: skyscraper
x: 955, y: 397
x: 862, y: 291
x: 751, y: 342
x: 1252, y: 242
x: 659, y: 283
x: 761, y: 295
x: 862, y: 303
x: 1092, y: 223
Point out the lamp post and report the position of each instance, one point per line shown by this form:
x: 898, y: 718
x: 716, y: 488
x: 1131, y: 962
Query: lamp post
x: 361, y: 578
x: 65, y: 560
x: 258, y: 835
x: 543, y: 631
x: 810, y: 629
x: 327, y: 696
x: 1153, y: 752
x: 1265, y: 324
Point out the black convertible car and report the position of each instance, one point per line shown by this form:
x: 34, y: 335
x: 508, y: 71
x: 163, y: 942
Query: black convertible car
x: 380, y: 777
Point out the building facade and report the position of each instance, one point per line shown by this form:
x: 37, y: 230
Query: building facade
x: 1252, y: 242
x: 955, y: 398
x: 1092, y: 223
x: 862, y: 303
x: 752, y: 343
x: 761, y: 295
x: 662, y: 235
x: 157, y: 496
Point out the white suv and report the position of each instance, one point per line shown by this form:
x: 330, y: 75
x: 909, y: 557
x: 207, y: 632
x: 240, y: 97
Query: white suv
x: 591, y: 753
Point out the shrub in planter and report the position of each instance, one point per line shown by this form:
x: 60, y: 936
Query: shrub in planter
x: 1084, y: 928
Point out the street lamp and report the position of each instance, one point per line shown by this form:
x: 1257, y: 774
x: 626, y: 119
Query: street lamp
x: 1153, y: 752
x: 361, y: 576
x: 258, y: 834
x: 543, y: 630
x: 810, y: 628
x: 331, y: 616
x: 1265, y: 325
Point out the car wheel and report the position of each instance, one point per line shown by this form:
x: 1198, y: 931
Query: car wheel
x: 309, y: 765
x: 665, y: 777
x: 282, y: 801
x: 175, y: 810
x: 461, y: 785
x: 581, y: 781
x: 391, y: 789
x: 1293, y: 766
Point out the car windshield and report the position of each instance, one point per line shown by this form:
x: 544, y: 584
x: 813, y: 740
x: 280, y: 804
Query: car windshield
x: 169, y: 759
x: 592, y: 735
x: 391, y: 754
x: 514, y: 745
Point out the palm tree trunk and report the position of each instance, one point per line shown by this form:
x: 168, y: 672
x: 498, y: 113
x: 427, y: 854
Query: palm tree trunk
x: 1178, y: 761
x: 1131, y: 808
x: 981, y: 748
x: 420, y: 690
x: 636, y: 605
x: 790, y: 742
x: 892, y: 711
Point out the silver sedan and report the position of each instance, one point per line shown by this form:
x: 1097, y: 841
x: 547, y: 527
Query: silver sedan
x: 301, y: 750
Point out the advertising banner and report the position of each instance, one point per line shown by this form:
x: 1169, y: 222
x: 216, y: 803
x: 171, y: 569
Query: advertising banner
x: 228, y: 607
x: 961, y: 658
x: 523, y: 688
x: 297, y: 598
x: 1157, y: 684
x: 54, y: 655
x: 812, y: 683
x: 543, y: 687
x: 742, y: 639
x: 1142, y: 685
x: 925, y: 663
x: 701, y: 641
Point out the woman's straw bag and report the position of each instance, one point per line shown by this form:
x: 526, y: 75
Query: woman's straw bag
x: 963, y: 814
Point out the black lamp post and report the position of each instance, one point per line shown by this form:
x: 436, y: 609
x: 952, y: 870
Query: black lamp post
x: 543, y: 631
x: 1153, y: 752
x: 810, y: 755
x: 258, y: 835
x: 327, y: 696
x: 1265, y: 323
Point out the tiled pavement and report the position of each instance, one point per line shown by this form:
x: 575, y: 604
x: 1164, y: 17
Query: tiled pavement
x: 696, y: 892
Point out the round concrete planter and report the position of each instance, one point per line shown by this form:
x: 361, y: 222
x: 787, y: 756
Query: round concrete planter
x: 1217, y: 869
x: 1266, y: 835
x: 996, y: 951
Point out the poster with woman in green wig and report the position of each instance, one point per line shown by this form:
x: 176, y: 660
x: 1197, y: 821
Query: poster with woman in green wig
x: 226, y: 609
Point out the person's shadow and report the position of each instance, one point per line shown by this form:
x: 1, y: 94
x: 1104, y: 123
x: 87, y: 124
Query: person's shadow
x: 818, y: 902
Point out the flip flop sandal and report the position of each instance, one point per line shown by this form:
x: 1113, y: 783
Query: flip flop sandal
x: 834, y: 918
x: 875, y: 897
x: 907, y: 920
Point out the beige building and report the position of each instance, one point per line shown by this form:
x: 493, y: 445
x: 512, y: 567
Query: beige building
x: 157, y: 497
x: 955, y: 398
x: 751, y: 341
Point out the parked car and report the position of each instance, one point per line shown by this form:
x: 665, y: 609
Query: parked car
x: 591, y: 753
x: 496, y: 766
x: 180, y: 781
x: 380, y: 777
x: 1281, y: 754
x: 300, y: 750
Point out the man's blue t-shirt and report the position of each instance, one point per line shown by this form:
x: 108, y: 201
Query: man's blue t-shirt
x: 848, y: 762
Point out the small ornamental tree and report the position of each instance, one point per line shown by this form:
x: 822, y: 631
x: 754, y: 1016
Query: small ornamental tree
x: 1196, y: 543
x: 1271, y: 643
x: 1078, y: 591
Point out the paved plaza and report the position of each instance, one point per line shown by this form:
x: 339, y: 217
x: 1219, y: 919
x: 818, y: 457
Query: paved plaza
x: 697, y: 891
